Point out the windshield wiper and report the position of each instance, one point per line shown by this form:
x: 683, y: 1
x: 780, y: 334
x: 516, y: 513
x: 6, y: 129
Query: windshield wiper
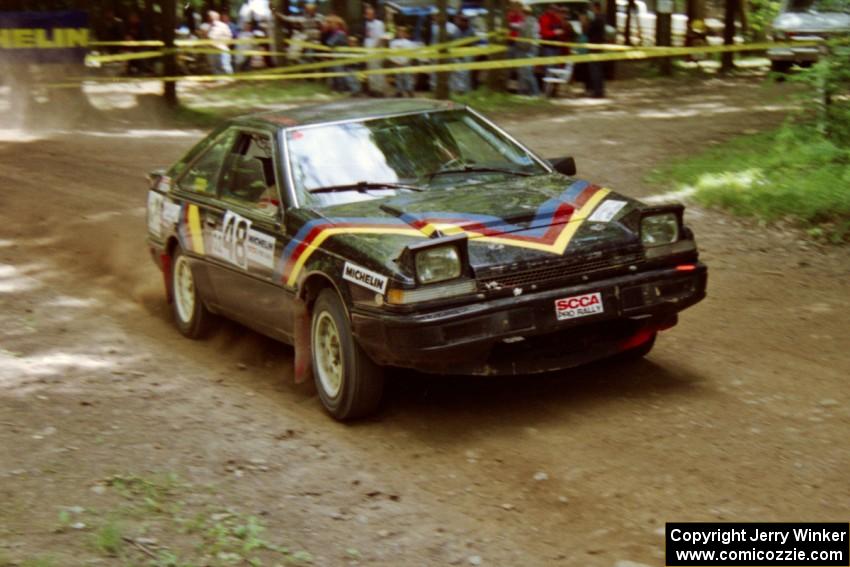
x: 479, y: 169
x: 362, y: 186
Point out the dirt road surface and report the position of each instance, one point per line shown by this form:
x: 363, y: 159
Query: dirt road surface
x: 122, y: 442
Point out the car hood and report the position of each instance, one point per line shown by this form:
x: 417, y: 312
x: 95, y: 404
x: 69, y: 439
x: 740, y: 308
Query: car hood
x: 508, y: 222
x: 812, y: 22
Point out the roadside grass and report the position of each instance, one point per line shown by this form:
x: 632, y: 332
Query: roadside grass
x: 788, y: 174
x: 486, y: 100
x: 252, y: 94
x: 109, y: 539
x: 160, y: 521
x: 205, y: 105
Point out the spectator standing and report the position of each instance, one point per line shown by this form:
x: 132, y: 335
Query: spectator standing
x: 515, y: 18
x: 234, y: 29
x: 552, y: 29
x: 373, y: 35
x: 461, y: 81
x: 529, y: 29
x: 595, y: 69
x: 243, y: 62
x: 451, y: 34
x: 312, y: 24
x: 403, y: 81
x: 135, y: 31
x: 111, y: 28
x: 336, y: 35
x: 219, y: 34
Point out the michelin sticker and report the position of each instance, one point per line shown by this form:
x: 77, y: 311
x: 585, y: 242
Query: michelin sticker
x: 606, y: 211
x: 260, y: 248
x: 155, y: 201
x: 170, y: 212
x: 364, y: 278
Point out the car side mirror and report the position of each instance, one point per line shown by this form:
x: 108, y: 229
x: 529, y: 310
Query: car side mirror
x: 565, y: 165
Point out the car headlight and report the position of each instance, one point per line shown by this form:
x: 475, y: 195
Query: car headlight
x: 656, y: 230
x: 438, y: 264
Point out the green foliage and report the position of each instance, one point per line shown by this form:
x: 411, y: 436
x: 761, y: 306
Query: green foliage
x: 760, y: 15
x: 829, y: 87
x: 791, y: 173
x: 800, y: 172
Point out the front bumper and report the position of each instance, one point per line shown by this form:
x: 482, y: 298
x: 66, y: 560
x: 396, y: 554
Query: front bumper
x: 521, y: 335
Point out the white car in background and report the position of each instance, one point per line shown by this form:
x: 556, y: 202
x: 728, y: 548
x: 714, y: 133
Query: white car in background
x: 807, y: 20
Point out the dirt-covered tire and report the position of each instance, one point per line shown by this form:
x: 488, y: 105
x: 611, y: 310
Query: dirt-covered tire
x: 350, y: 385
x: 191, y: 316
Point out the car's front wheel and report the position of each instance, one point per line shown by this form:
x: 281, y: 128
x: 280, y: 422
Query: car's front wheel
x: 190, y: 314
x: 350, y: 385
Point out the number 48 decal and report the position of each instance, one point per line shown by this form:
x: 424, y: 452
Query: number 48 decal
x: 229, y: 243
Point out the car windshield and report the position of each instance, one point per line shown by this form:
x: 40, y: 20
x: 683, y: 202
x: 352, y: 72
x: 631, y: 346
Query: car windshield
x: 426, y: 151
x: 819, y: 6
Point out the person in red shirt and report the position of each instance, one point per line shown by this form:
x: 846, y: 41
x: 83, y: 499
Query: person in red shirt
x: 554, y: 26
x: 515, y: 17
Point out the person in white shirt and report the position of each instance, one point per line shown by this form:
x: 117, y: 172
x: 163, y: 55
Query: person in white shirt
x: 220, y: 34
x: 373, y: 36
x: 404, y: 82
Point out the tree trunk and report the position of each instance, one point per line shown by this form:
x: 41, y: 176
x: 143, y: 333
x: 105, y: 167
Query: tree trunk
x: 727, y: 62
x: 493, y: 76
x: 278, y: 33
x: 442, y: 90
x: 149, y: 20
x: 169, y: 23
x: 611, y: 13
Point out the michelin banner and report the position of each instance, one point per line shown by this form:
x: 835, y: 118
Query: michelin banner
x: 44, y: 37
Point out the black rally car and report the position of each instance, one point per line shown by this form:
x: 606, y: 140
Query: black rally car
x: 412, y: 234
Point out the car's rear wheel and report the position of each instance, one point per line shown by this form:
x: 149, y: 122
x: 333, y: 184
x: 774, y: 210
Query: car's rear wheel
x: 192, y: 318
x: 350, y: 385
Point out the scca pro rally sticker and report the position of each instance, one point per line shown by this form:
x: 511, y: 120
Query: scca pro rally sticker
x: 579, y: 306
x: 364, y: 278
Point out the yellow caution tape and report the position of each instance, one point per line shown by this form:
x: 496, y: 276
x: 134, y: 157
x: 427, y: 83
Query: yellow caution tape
x: 591, y: 46
x: 181, y: 42
x: 418, y: 53
x: 112, y: 58
x: 141, y: 43
x: 294, y: 72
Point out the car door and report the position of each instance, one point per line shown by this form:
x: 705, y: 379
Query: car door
x: 196, y: 191
x: 247, y: 237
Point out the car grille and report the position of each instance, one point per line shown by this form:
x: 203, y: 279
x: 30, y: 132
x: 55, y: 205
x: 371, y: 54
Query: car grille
x: 551, y: 273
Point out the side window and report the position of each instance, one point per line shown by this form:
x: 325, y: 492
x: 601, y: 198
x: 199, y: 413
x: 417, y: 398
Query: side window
x: 250, y: 180
x: 202, y: 175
